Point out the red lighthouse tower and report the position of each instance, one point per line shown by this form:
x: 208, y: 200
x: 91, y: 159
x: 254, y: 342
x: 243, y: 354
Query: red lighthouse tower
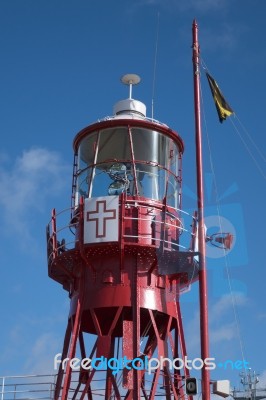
x: 125, y: 256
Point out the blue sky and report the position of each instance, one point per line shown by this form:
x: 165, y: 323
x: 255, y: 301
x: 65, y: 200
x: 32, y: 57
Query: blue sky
x: 61, y: 62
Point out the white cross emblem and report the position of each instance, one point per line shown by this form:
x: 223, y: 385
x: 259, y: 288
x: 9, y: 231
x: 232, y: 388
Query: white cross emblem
x: 101, y: 219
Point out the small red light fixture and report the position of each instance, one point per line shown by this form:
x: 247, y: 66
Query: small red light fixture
x: 221, y: 240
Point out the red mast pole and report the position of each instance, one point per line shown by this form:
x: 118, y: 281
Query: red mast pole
x: 203, y: 292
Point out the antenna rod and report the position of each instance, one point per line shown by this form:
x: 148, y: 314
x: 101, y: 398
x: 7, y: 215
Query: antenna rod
x: 154, y: 68
x: 203, y: 291
x: 130, y: 89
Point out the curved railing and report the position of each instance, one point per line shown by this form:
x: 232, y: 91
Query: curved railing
x: 152, y: 120
x: 62, y: 232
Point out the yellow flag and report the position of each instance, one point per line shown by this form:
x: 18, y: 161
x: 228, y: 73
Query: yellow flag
x: 223, y: 108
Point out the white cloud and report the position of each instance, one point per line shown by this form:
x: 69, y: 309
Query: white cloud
x: 199, y: 6
x: 223, y: 314
x: 31, y: 342
x: 225, y: 36
x: 222, y: 325
x: 261, y: 316
x: 26, y: 185
x: 225, y: 332
x: 262, y: 378
x: 221, y: 36
x: 204, y: 5
x: 225, y: 303
x: 43, y: 350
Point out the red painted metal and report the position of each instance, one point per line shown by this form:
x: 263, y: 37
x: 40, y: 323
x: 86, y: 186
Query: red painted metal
x: 124, y: 294
x: 133, y: 158
x: 128, y: 122
x: 135, y: 287
x: 53, y: 237
x: 203, y: 290
x: 64, y: 355
x: 77, y: 319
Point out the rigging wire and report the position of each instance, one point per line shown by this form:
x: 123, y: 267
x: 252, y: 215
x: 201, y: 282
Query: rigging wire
x: 155, y: 66
x: 248, y: 150
x: 233, y: 297
x: 252, y: 140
